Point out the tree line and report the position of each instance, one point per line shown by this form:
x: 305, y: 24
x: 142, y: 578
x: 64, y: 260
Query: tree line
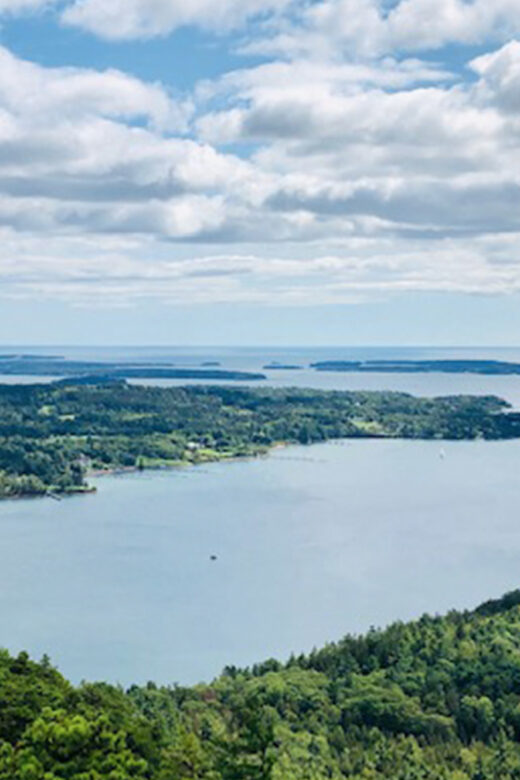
x: 434, y: 699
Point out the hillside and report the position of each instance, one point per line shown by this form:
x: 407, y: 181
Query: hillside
x: 438, y: 698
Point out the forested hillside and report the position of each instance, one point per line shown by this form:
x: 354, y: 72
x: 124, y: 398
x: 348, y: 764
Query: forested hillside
x: 437, y: 699
x: 52, y: 435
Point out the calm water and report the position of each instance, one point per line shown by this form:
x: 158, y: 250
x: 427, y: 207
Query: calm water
x: 312, y: 542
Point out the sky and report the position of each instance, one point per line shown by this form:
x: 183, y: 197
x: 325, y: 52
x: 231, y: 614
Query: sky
x: 260, y: 172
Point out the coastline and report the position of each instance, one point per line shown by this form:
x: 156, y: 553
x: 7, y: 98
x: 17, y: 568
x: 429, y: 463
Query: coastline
x: 77, y: 434
x: 115, y: 471
x: 181, y: 464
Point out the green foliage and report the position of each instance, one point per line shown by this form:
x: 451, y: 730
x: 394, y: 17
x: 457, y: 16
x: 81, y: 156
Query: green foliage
x: 60, y: 746
x: 436, y: 699
x: 52, y: 435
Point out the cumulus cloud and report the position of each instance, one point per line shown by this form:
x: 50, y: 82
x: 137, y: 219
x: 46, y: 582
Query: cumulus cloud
x: 363, y: 28
x: 322, y: 27
x: 313, y: 177
x: 500, y: 76
x: 45, y: 93
x: 127, y: 19
x: 369, y: 28
x: 94, y: 151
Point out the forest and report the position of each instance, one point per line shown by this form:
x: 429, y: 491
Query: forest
x: 53, y: 436
x: 434, y: 699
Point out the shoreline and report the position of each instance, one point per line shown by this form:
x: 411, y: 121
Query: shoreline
x: 114, y: 472
x: 122, y: 471
x: 127, y: 470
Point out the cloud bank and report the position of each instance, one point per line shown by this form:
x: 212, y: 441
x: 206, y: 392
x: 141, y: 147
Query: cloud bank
x: 348, y: 164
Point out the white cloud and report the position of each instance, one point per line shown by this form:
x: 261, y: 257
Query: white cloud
x: 127, y: 19
x: 368, y: 28
x: 433, y: 23
x: 72, y: 158
x: 323, y: 29
x: 304, y: 180
x: 111, y: 271
x: 320, y: 80
x: 47, y: 93
x: 500, y: 76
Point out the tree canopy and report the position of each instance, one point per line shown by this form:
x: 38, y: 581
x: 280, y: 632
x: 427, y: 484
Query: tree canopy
x: 434, y: 699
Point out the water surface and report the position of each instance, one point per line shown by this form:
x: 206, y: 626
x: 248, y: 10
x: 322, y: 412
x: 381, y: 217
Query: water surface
x: 311, y: 543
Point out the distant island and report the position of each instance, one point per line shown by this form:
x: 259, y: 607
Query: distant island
x: 52, y: 436
x: 433, y: 699
x: 30, y: 365
x: 491, y: 367
x: 12, y: 356
x: 275, y: 366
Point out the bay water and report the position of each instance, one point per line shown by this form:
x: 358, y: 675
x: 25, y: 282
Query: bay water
x: 310, y: 543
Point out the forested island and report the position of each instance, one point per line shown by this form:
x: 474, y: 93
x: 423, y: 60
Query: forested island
x: 488, y: 367
x: 275, y: 366
x: 434, y: 699
x: 52, y: 436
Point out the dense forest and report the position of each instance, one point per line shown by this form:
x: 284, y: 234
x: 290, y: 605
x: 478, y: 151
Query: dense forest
x: 436, y: 699
x: 51, y: 436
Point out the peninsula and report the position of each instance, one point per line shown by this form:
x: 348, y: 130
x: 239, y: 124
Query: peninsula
x: 53, y: 435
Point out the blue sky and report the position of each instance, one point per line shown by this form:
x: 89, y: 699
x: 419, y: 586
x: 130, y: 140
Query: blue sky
x: 260, y: 171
